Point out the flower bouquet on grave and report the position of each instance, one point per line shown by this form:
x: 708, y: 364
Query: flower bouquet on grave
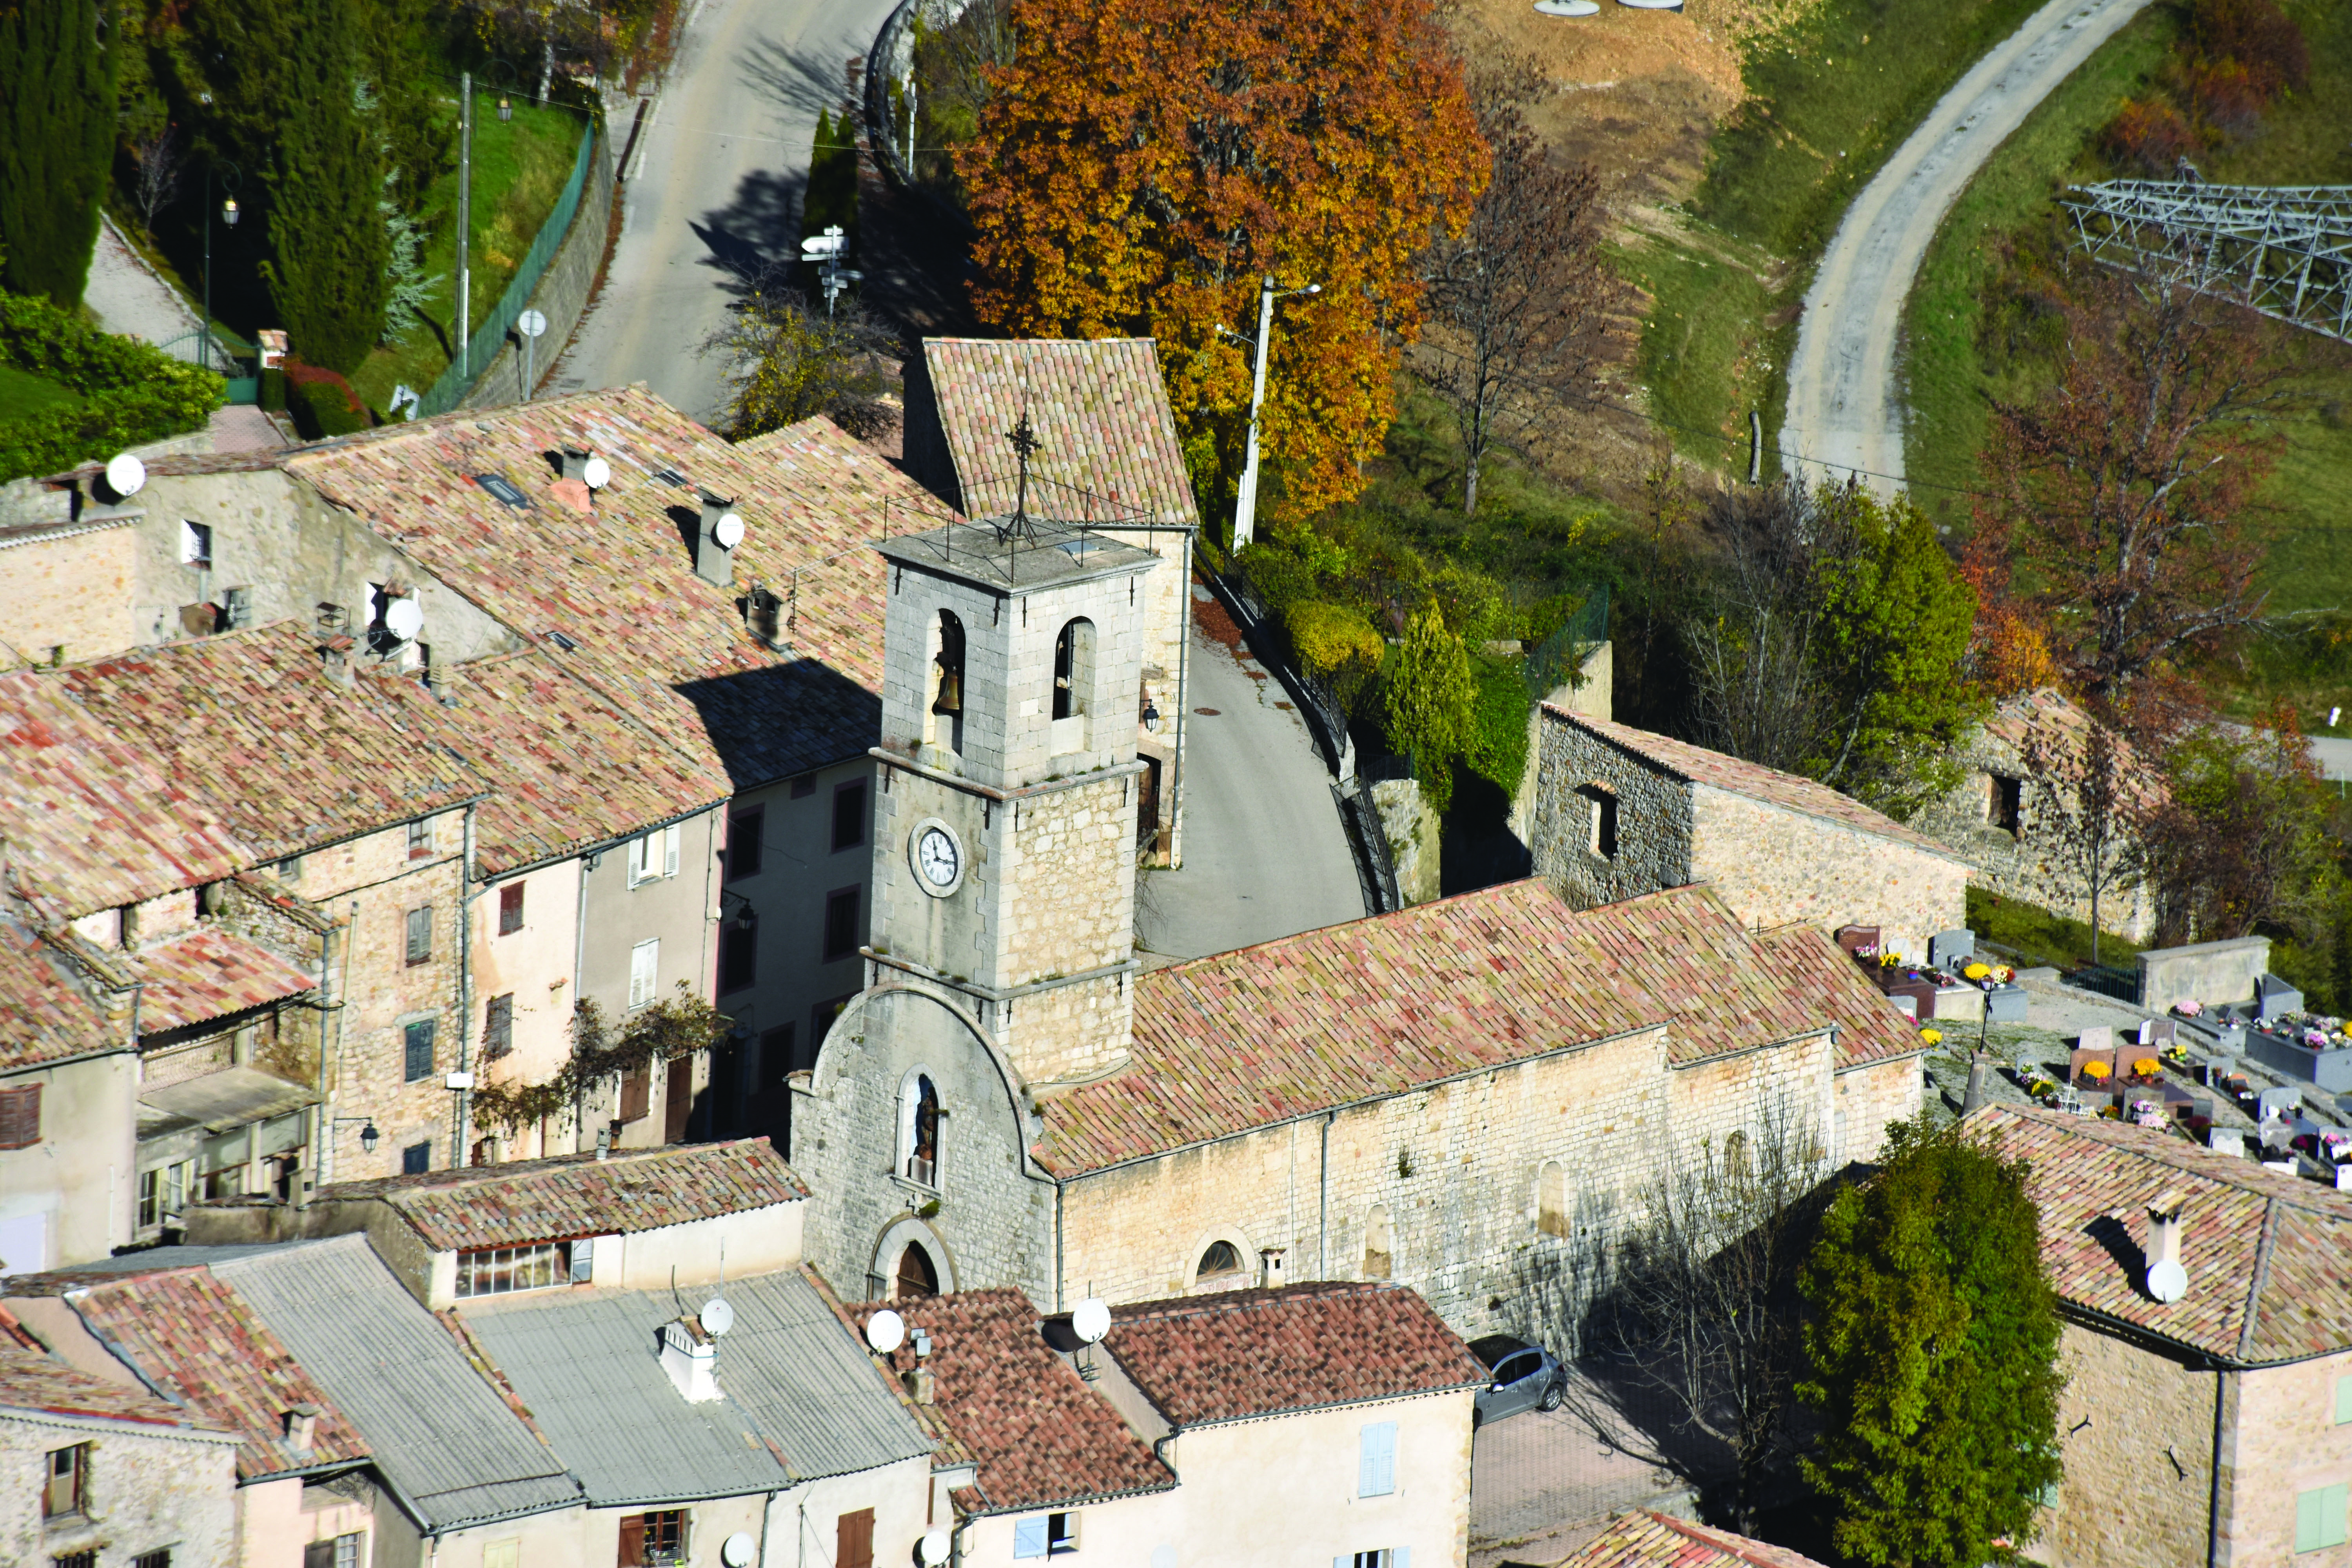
x: 2176, y: 1055
x: 2146, y: 1113
x: 1978, y: 972
x: 1931, y: 1037
x: 2147, y: 1069
x: 2097, y: 1072
x: 2190, y: 1009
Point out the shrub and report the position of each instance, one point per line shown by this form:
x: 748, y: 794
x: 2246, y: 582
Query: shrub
x: 273, y: 390
x: 2147, y: 135
x: 2256, y: 34
x: 1281, y: 577
x: 1497, y: 745
x: 323, y: 401
x: 132, y: 393
x: 2224, y: 94
x: 1333, y: 639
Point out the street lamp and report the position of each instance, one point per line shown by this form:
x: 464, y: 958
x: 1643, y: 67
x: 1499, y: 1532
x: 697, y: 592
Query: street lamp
x: 1246, y: 500
x: 230, y: 176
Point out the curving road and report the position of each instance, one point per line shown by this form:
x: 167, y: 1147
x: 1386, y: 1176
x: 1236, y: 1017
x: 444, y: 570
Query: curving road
x: 713, y: 189
x: 1842, y: 413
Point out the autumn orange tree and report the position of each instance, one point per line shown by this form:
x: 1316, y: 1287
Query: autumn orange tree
x: 1141, y: 166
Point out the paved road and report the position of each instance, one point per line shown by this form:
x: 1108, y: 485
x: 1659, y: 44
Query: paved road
x: 1265, y: 851
x: 714, y: 190
x: 1842, y: 413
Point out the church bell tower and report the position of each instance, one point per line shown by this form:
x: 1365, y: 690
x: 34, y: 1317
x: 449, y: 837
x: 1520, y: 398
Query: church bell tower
x: 1005, y: 849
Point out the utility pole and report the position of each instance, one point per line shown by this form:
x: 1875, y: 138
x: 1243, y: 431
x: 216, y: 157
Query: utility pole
x: 1245, y: 498
x: 465, y: 218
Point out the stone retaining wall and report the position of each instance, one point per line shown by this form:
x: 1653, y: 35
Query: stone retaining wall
x: 563, y: 294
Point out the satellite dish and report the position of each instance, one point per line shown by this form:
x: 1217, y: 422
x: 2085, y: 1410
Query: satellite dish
x: 1090, y: 1321
x: 886, y: 1331
x: 730, y: 531
x: 739, y: 1550
x: 403, y: 618
x: 125, y: 474
x: 2168, y: 1281
x: 596, y: 473
x: 716, y: 1317
x: 932, y: 1549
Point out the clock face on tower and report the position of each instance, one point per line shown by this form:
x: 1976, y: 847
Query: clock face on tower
x: 937, y: 856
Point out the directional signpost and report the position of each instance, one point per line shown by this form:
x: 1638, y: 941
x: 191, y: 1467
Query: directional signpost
x: 530, y: 324
x: 825, y: 250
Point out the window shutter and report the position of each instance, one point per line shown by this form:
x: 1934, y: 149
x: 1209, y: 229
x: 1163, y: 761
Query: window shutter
x: 1029, y: 1537
x: 633, y: 1540
x: 669, y: 850
x: 2342, y: 1400
x: 645, y: 968
x: 1400, y: 1558
x: 20, y: 1116
x: 1376, y: 1468
x: 637, y: 861
x: 854, y: 1544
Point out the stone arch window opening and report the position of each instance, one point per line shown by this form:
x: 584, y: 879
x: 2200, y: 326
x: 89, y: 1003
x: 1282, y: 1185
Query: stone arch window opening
x: 1552, y: 1199
x: 1379, y: 1244
x: 1074, y: 668
x: 919, y: 1130
x: 1738, y: 1164
x: 1220, y: 1264
x: 916, y: 1276
x: 946, y: 716
x: 1601, y: 835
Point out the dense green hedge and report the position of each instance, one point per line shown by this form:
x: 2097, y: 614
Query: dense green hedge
x: 323, y: 401
x: 132, y: 393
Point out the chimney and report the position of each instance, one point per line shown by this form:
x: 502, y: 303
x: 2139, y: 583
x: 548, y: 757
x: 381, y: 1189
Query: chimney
x: 690, y: 1356
x: 301, y: 1427
x: 918, y: 1385
x: 2168, y: 1281
x: 575, y: 463
x: 335, y: 657
x: 720, y: 531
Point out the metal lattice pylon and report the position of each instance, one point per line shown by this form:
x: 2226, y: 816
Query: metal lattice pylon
x: 2285, y: 250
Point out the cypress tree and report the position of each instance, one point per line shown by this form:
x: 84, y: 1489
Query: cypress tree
x: 56, y: 137
x: 327, y: 276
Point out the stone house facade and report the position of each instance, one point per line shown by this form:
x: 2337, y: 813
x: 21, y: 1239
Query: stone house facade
x: 1465, y: 1097
x: 1620, y: 812
x: 2215, y: 1426
x: 1998, y: 816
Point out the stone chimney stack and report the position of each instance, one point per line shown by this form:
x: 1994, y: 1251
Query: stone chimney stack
x: 716, y: 537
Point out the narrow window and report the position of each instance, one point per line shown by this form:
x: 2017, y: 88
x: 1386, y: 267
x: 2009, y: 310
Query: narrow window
x: 1379, y: 1244
x: 744, y: 825
x: 195, y: 543
x: 151, y: 1199
x: 822, y: 1017
x: 1074, y: 661
x: 2004, y: 801
x: 637, y: 1092
x: 417, y: 1049
x: 739, y: 952
x: 853, y: 1540
x: 922, y: 1165
x: 648, y: 1539
x: 1600, y: 821
x: 159, y: 1558
x: 420, y: 840
x: 291, y: 868
x: 20, y: 1116
x: 849, y: 814
x: 776, y: 1050
x: 510, y: 908
x: 1061, y: 1534
x: 420, y: 934
x: 2319, y: 1518
x: 949, y: 662
x: 1218, y: 1265
x: 1376, y: 1460
x: 1551, y: 1200
x: 416, y: 1159
x: 1737, y: 1163
x: 645, y: 970
x: 69, y: 1482
x: 653, y: 857
x: 583, y: 1262
x: 840, y: 924
x: 497, y: 1027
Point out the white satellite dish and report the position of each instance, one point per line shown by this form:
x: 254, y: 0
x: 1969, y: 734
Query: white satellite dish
x: 739, y: 1550
x: 730, y: 531
x: 933, y: 1548
x: 2168, y: 1281
x: 1090, y: 1321
x: 125, y: 474
x: 403, y: 618
x: 716, y: 1317
x: 886, y: 1331
x: 596, y: 473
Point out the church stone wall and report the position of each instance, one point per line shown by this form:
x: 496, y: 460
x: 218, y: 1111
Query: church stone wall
x: 1653, y: 820
x: 1870, y: 1099
x: 1776, y: 866
x: 1072, y: 856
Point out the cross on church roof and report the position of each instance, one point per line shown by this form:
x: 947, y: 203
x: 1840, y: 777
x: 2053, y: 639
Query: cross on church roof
x: 1023, y: 439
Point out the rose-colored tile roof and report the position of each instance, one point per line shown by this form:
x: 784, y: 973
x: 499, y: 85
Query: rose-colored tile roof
x: 1260, y: 1353
x: 1646, y: 1540
x: 2269, y: 1255
x: 1037, y: 1434
x: 2062, y: 727
x: 49, y: 1013
x: 1789, y: 792
x: 287, y: 757
x: 618, y: 583
x: 209, y: 972
x: 92, y: 824
x: 1099, y: 409
x: 187, y: 1333
x: 1396, y: 1002
x: 32, y: 1380
x: 568, y: 1196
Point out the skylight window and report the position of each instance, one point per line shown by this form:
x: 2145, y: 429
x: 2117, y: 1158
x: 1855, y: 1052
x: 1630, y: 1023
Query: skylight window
x: 505, y: 490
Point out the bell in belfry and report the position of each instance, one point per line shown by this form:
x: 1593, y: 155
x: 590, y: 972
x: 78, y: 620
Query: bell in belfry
x: 951, y: 663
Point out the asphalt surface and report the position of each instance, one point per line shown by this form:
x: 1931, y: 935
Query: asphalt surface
x: 713, y: 190
x: 1265, y: 854
x: 1844, y: 415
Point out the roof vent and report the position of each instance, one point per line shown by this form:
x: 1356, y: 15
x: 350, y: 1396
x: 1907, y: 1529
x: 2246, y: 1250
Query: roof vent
x: 2168, y: 1281
x: 691, y: 1355
x: 302, y: 1427
x: 716, y: 537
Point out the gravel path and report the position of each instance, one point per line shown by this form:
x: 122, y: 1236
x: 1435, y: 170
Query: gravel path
x: 1843, y: 417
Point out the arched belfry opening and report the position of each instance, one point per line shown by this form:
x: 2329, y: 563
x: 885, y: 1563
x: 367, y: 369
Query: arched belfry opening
x: 1073, y: 683
x: 946, y: 726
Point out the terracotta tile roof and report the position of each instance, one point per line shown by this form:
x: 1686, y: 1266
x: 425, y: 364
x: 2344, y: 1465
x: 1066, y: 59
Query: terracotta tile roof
x: 209, y: 972
x: 2063, y: 727
x: 2269, y: 1255
x: 570, y: 768
x: 1869, y: 1027
x: 1789, y: 792
x: 1381, y: 1006
x: 191, y: 1335
x: 1037, y: 1434
x: 619, y: 583
x: 1260, y: 1353
x: 573, y: 1195
x: 32, y: 1380
x: 92, y: 823
x: 285, y: 755
x: 1100, y: 408
x: 50, y: 1014
x: 1646, y: 1540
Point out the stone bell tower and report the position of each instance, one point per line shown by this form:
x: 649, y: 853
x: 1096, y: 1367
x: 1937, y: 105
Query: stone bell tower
x: 1004, y: 846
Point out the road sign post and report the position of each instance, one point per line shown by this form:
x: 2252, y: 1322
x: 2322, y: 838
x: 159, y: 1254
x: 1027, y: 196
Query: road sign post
x: 531, y: 325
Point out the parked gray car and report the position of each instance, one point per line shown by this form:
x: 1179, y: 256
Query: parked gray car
x: 1526, y: 1377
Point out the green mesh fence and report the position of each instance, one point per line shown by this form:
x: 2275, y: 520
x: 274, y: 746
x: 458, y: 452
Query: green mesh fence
x: 1559, y: 656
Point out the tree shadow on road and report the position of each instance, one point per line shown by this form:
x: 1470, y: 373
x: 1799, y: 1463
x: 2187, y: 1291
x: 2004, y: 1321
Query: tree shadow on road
x: 757, y: 231
x: 796, y: 81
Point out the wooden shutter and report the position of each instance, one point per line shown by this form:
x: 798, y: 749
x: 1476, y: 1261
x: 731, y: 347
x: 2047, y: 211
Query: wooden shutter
x: 318, y: 1555
x: 680, y: 1099
x: 854, y: 1541
x: 20, y: 1116
x: 636, y: 1091
x: 632, y: 1540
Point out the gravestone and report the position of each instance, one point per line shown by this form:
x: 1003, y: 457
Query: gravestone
x: 2226, y: 1141
x: 1949, y: 949
x: 2099, y: 1037
x: 2275, y: 997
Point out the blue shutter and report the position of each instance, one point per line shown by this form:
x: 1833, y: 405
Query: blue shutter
x: 1400, y: 1558
x: 1376, y: 1469
x: 1029, y: 1537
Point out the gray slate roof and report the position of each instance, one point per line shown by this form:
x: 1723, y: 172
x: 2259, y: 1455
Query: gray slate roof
x: 585, y: 1365
x: 451, y: 1448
